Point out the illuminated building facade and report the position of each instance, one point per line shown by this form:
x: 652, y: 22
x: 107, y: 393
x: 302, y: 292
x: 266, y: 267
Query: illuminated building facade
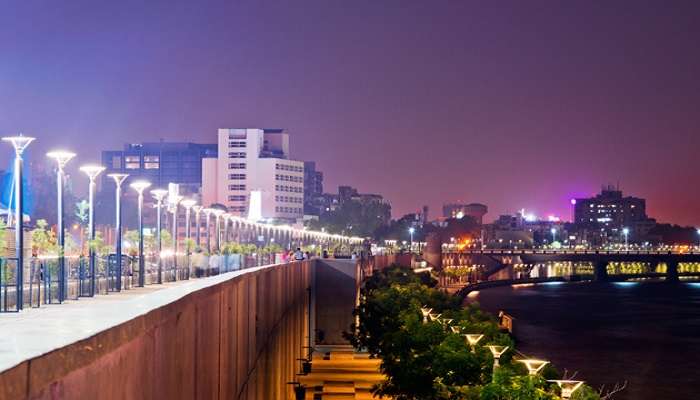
x: 610, y: 212
x: 252, y: 159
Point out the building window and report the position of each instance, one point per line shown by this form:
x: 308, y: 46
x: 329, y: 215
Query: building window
x: 132, y: 162
x: 236, y: 187
x: 236, y: 144
x: 236, y: 198
x: 116, y: 162
x: 236, y: 176
x: 236, y: 154
x: 151, y: 162
x: 236, y: 166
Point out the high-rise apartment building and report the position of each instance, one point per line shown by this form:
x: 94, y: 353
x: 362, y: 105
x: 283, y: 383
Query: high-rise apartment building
x: 255, y: 160
x: 313, y: 188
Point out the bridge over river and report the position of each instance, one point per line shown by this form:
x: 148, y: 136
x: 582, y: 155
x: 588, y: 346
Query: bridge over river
x: 527, y: 265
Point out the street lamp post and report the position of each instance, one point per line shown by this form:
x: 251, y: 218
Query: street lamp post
x: 159, y: 195
x: 497, y: 352
x: 411, y: 230
x: 554, y: 235
x: 92, y: 171
x: 118, y: 180
x: 174, y: 201
x: 207, y: 214
x: 61, y: 158
x: 217, y: 226
x: 197, y: 228
x: 19, y: 143
x: 698, y: 231
x: 225, y: 234
x: 626, y: 233
x: 188, y: 204
x: 140, y: 186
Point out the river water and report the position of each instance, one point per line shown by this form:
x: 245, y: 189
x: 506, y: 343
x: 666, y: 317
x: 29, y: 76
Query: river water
x: 645, y: 333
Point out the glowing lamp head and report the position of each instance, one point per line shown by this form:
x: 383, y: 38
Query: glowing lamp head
x: 573, y: 202
x: 118, y: 178
x: 534, y: 366
x: 473, y: 339
x: 411, y: 230
x: 497, y: 351
x: 61, y: 157
x: 553, y: 230
x: 92, y: 171
x: 568, y: 387
x: 140, y: 186
x: 625, y: 231
x: 19, y: 142
x: 159, y: 194
x: 188, y: 203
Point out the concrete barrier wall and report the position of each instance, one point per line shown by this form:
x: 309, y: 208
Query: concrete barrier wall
x: 238, y: 339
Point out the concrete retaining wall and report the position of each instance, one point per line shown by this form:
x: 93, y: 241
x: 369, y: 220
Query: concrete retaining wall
x: 238, y: 339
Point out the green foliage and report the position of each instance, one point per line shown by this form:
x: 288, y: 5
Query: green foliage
x: 271, y: 248
x: 43, y: 239
x: 82, y: 209
x: 190, y: 244
x: 424, y: 359
x: 99, y: 246
x: 3, y: 236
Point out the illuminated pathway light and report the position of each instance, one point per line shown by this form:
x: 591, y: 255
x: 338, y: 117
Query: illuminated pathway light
x: 534, y: 366
x: 139, y: 187
x: 473, y: 340
x: 567, y: 387
x: 497, y: 352
x: 426, y: 313
x: 61, y: 158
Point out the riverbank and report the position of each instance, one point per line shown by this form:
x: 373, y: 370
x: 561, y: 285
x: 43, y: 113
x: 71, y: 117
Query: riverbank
x: 645, y: 333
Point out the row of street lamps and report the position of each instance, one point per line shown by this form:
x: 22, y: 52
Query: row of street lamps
x: 534, y: 366
x: 21, y: 142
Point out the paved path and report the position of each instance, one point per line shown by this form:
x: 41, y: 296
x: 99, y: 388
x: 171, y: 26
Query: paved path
x: 34, y: 332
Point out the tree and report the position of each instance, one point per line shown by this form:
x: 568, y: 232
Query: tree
x: 43, y: 240
x: 423, y: 359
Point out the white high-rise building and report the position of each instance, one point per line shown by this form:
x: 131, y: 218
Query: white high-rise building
x: 253, y: 159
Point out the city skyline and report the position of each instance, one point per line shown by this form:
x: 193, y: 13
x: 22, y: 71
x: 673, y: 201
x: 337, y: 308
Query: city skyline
x: 424, y: 104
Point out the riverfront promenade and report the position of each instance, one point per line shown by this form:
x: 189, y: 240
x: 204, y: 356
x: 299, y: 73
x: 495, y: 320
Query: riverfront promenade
x: 232, y: 336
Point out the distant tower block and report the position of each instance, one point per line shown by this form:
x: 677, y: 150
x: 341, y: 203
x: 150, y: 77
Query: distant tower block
x: 474, y: 210
x: 255, y: 207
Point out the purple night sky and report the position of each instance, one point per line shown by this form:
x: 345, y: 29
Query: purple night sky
x: 513, y: 104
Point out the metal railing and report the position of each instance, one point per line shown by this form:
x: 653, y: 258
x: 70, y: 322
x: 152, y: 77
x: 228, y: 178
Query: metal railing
x: 44, y: 285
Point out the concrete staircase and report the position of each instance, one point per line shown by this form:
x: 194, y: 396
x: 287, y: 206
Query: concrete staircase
x: 341, y: 374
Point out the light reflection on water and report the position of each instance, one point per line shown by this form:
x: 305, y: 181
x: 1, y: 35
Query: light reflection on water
x: 645, y: 332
